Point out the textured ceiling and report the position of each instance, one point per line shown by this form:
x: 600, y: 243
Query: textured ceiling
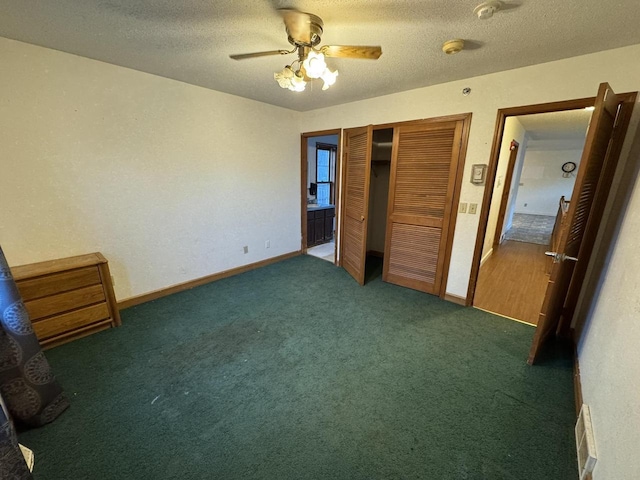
x: 556, y: 131
x: 191, y: 40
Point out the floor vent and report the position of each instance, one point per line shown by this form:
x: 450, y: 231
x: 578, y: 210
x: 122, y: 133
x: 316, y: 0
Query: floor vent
x: 585, y: 443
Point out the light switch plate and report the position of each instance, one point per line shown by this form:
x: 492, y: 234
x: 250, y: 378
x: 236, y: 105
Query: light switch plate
x: 463, y: 208
x: 473, y: 207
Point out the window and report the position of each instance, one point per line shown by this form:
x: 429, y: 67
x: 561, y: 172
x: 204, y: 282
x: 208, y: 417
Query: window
x: 325, y: 173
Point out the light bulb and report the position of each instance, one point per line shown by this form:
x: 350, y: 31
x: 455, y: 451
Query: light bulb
x: 284, y: 77
x: 329, y: 78
x: 314, y: 65
x: 297, y: 83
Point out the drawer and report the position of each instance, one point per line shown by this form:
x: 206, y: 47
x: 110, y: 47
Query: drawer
x: 63, y: 302
x: 56, y: 325
x: 68, y: 298
x: 33, y: 288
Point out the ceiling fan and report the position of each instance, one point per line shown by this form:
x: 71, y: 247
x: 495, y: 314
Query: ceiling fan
x: 304, y: 32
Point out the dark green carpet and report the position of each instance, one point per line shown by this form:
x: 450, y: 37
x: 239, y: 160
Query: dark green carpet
x: 294, y: 371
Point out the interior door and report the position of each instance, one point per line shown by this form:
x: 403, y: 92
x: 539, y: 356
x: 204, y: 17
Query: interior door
x: 424, y: 165
x: 596, y: 150
x: 357, y: 167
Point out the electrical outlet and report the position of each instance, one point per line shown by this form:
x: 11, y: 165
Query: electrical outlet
x: 246, y: 249
x: 267, y: 244
x: 463, y: 208
x: 473, y: 207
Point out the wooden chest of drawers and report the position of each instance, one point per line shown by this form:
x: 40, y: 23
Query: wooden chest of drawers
x: 68, y: 298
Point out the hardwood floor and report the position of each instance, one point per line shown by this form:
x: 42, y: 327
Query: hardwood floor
x: 513, y: 280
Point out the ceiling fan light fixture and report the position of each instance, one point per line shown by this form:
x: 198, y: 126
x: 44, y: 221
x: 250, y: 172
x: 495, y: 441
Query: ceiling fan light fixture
x: 287, y: 78
x: 304, y: 31
x: 329, y: 78
x: 297, y: 83
x: 284, y: 77
x: 314, y: 65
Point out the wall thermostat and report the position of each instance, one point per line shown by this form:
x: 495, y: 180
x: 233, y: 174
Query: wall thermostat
x: 478, y: 173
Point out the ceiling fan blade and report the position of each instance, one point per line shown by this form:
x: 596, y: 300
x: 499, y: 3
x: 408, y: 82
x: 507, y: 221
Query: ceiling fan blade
x: 352, y: 51
x: 244, y: 56
x: 302, y: 27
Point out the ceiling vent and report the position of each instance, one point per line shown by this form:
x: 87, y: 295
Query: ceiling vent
x: 453, y: 46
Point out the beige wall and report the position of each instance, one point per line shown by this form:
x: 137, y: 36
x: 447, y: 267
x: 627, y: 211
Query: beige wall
x: 542, y: 183
x: 513, y: 130
x: 169, y: 181
x: 561, y: 80
x: 609, y: 348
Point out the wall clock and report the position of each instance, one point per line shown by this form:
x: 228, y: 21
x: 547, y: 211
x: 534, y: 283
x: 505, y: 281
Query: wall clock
x: 568, y: 167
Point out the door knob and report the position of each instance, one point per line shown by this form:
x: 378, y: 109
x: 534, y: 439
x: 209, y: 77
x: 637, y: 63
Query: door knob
x: 362, y: 218
x: 560, y: 257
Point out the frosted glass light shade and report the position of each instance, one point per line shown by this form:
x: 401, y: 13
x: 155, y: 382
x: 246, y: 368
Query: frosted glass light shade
x: 329, y: 78
x: 314, y: 64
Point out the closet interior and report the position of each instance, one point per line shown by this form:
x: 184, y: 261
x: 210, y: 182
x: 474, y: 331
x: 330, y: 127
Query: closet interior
x: 378, y: 201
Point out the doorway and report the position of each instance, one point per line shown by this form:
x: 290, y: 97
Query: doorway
x: 603, y: 145
x: 378, y: 202
x: 320, y: 167
x: 537, y: 163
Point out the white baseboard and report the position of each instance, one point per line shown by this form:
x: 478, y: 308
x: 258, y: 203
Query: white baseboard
x: 486, y: 257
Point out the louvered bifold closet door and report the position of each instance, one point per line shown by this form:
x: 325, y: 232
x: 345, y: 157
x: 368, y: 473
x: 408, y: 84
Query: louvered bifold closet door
x: 357, y: 165
x: 423, y: 172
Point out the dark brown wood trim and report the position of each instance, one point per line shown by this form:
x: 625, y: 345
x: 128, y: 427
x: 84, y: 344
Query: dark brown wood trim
x: 453, y: 216
x: 322, y: 133
x: 610, y: 229
x: 505, y: 192
x: 550, y: 107
x: 338, y: 193
x: 627, y: 102
x: 422, y: 121
x: 180, y: 287
x: 304, y: 137
x: 501, y: 117
x: 343, y: 167
x: 577, y: 383
x: 455, y: 299
x: 304, y: 169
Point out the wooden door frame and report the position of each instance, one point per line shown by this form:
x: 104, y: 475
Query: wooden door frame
x: 304, y: 141
x: 492, y: 169
x: 508, y: 179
